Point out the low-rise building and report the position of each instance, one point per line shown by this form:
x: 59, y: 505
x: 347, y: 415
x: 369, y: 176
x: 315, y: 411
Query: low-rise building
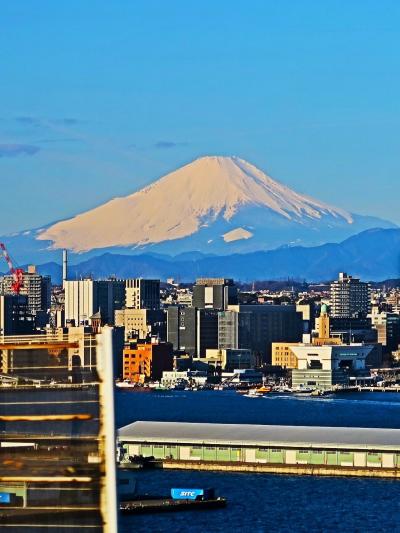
x: 146, y: 360
x: 280, y: 449
x: 229, y: 359
x: 323, y: 367
x: 190, y: 377
x: 283, y: 355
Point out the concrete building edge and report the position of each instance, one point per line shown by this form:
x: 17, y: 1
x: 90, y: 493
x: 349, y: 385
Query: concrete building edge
x: 303, y: 470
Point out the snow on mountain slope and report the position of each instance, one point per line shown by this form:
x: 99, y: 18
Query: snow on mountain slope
x: 186, y: 201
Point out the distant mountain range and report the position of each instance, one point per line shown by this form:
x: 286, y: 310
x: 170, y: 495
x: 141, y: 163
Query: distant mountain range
x: 372, y: 255
x: 214, y: 205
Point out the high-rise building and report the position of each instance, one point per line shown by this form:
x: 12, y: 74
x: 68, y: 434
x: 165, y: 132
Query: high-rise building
x: 15, y: 317
x: 207, y: 330
x: 214, y: 293
x: 141, y: 323
x: 35, y: 286
x: 228, y: 330
x: 142, y: 293
x: 57, y: 467
x: 192, y: 330
x: 387, y: 326
x: 85, y: 298
x: 258, y: 326
x: 182, y: 328
x: 350, y: 297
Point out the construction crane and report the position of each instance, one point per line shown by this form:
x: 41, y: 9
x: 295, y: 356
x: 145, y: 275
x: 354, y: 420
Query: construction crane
x: 17, y: 273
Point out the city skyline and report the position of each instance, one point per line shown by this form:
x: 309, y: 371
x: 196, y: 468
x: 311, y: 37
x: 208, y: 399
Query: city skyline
x: 129, y: 93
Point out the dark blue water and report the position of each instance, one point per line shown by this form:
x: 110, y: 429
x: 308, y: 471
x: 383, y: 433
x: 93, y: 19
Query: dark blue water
x: 264, y: 502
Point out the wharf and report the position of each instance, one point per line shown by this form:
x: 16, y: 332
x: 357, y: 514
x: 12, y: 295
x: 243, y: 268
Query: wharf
x: 299, y: 470
x: 302, y: 450
x: 391, y: 388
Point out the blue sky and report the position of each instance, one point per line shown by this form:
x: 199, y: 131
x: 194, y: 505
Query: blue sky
x: 100, y: 98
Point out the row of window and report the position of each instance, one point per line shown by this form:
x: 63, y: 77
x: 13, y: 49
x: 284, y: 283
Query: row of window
x: 371, y: 456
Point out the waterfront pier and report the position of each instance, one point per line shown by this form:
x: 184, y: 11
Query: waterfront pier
x: 303, y: 450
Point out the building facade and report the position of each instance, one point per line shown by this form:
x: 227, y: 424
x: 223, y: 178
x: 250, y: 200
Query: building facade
x: 146, y: 360
x: 350, y: 297
x: 258, y: 326
x: 35, y: 286
x: 283, y: 355
x: 279, y: 449
x: 15, y: 316
x: 85, y: 298
x: 230, y: 359
x: 57, y: 457
x: 142, y: 293
x: 142, y: 323
x: 214, y: 293
x: 324, y: 367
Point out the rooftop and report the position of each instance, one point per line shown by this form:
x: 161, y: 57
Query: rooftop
x: 248, y: 434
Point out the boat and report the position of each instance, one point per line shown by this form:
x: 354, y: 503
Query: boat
x: 126, y: 384
x: 264, y: 389
x: 303, y: 390
x: 253, y: 393
x: 179, y: 500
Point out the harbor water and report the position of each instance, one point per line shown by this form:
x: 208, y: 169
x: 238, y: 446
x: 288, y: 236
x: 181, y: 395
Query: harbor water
x: 263, y: 502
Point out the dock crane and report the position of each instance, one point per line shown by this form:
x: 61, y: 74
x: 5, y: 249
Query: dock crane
x: 17, y: 273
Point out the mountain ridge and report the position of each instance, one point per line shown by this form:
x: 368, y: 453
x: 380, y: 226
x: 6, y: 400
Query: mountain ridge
x: 373, y: 255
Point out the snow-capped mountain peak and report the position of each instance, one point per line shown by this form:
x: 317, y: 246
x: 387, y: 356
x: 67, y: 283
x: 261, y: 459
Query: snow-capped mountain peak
x: 182, y: 203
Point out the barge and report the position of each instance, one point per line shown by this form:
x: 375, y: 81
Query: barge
x: 180, y: 500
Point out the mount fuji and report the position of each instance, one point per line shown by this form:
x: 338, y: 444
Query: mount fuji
x: 213, y: 205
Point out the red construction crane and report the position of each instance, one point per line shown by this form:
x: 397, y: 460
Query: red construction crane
x: 17, y: 273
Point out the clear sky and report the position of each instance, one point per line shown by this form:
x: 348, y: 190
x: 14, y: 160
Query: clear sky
x: 101, y: 97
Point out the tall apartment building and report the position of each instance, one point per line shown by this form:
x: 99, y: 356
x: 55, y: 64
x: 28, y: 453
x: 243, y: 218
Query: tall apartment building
x: 142, y: 293
x: 85, y: 298
x: 35, y: 286
x: 350, y: 297
x: 214, y: 293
